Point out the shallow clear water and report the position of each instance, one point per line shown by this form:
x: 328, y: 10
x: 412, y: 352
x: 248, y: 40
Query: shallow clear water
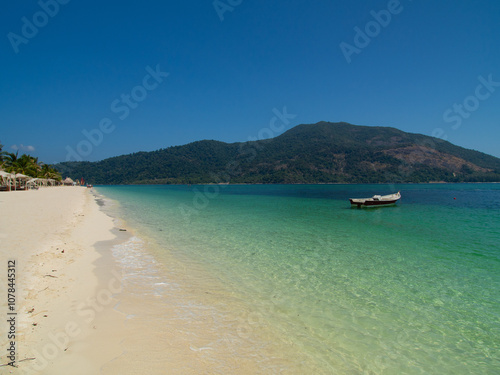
x: 411, y: 289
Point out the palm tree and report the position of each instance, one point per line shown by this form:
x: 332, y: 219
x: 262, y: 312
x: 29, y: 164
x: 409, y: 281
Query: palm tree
x: 10, y: 160
x: 46, y: 171
x: 36, y: 165
x: 25, y: 165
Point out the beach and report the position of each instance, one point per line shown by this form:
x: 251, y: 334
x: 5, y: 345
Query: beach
x: 51, y: 234
x: 77, y: 307
x: 290, y: 279
x: 260, y: 280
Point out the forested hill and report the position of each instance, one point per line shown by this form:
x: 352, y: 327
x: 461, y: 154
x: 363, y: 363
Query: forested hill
x: 314, y: 153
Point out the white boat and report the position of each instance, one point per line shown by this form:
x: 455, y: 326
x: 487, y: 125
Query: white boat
x: 376, y: 200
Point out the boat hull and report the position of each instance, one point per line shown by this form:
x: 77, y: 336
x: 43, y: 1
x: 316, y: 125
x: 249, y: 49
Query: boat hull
x: 376, y: 201
x: 371, y: 204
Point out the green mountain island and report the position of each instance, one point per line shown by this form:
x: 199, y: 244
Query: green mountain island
x: 324, y: 152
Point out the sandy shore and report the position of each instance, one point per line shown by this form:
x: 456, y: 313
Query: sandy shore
x: 90, y: 300
x: 64, y: 310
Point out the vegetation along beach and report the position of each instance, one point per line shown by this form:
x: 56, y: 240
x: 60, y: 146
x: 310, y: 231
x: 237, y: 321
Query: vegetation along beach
x: 265, y: 187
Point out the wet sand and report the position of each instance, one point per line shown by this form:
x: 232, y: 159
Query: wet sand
x: 82, y: 310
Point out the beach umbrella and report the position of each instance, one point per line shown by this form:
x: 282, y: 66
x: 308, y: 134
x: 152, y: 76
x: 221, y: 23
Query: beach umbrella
x: 33, y: 182
x: 20, y: 176
x: 68, y: 181
x: 6, y: 175
x: 7, y: 178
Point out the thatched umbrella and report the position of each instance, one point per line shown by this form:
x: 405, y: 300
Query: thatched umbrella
x: 34, y: 183
x: 68, y: 181
x: 7, y: 179
x: 22, y: 177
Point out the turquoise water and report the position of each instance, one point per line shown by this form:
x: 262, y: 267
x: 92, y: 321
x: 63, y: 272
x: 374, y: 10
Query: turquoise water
x: 411, y: 289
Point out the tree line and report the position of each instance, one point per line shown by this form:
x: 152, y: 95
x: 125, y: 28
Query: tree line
x: 27, y: 165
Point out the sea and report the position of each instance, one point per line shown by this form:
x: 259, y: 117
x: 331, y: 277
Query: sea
x: 295, y: 280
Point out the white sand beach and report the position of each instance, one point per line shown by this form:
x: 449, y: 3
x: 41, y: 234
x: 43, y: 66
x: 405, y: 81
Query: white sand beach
x: 50, y: 234
x: 77, y: 314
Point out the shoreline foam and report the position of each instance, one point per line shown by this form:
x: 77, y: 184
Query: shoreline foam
x: 182, y: 318
x: 83, y: 310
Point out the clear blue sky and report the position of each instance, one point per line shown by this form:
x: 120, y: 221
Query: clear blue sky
x: 228, y: 69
